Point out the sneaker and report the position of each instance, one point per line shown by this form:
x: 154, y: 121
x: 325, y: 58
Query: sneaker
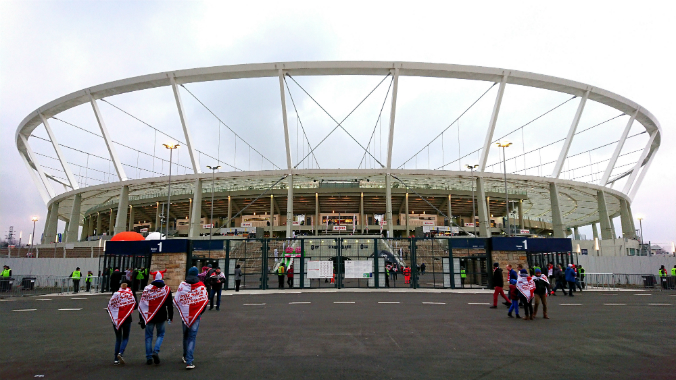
x: 493, y: 307
x: 518, y: 316
x: 149, y: 361
x: 116, y: 362
x: 183, y: 359
x: 218, y: 309
x: 156, y: 358
x: 120, y: 358
x: 507, y: 303
x: 190, y: 366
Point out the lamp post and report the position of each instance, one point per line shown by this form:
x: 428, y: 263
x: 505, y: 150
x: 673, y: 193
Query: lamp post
x: 213, y: 181
x: 640, y: 223
x: 471, y: 168
x: 504, y: 145
x: 171, y: 148
x: 34, y: 219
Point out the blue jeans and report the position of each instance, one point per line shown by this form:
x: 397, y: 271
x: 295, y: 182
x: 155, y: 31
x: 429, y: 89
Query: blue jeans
x: 122, y: 337
x: 514, y: 307
x: 149, y: 338
x: 189, y: 337
x: 211, y: 298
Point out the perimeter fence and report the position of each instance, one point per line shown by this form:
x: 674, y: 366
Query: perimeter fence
x: 32, y: 285
x: 628, y: 281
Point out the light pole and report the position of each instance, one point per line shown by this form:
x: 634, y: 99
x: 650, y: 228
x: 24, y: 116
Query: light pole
x: 34, y: 219
x: 504, y: 145
x: 640, y: 223
x: 171, y: 148
x: 213, y: 181
x: 471, y: 168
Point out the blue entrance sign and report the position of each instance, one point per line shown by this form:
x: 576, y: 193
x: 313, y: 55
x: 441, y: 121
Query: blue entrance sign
x: 204, y: 245
x: 510, y: 243
x: 168, y: 246
x: 468, y: 243
x: 533, y: 245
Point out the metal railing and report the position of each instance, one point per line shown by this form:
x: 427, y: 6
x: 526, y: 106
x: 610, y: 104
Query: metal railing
x: 628, y: 281
x: 31, y: 285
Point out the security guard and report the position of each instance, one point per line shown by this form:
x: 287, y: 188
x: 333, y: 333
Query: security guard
x: 280, y: 275
x: 76, y: 275
x: 4, y: 281
x: 138, y: 281
x: 463, y: 276
x: 407, y: 275
x: 88, y: 280
x: 673, y: 271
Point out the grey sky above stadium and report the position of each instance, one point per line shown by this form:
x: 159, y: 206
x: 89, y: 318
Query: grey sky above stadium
x: 49, y: 49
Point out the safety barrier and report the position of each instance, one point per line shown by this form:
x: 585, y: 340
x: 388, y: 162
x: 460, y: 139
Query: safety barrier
x: 31, y: 285
x: 627, y: 281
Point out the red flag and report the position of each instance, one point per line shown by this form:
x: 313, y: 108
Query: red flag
x: 190, y: 300
x: 151, y: 300
x: 120, y: 306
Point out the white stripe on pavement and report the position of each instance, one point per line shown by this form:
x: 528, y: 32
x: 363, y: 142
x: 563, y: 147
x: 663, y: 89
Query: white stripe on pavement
x: 43, y: 299
x: 254, y: 304
x: 70, y: 309
x: 609, y: 294
x: 659, y: 304
x: 614, y: 304
x: 388, y: 302
x: 571, y: 304
x: 643, y: 294
x: 434, y: 303
x: 25, y: 310
x: 478, y: 303
x: 298, y: 303
x: 78, y: 298
x: 343, y: 301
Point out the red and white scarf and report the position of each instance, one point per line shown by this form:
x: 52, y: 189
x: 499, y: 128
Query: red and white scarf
x: 152, y: 300
x: 190, y: 300
x: 526, y: 286
x: 120, y: 306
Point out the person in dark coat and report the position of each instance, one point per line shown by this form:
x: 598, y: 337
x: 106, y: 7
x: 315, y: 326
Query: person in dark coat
x: 498, y: 284
x: 163, y: 314
x: 115, y: 279
x: 570, y: 279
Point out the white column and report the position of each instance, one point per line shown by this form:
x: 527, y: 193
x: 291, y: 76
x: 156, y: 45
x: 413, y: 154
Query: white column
x: 46, y: 229
x: 289, y: 208
x: 521, y: 224
x: 186, y: 131
x: 388, y: 205
x: 407, y: 216
x: 595, y: 231
x: 393, y: 113
x: 286, y: 125
x: 59, y: 155
x: 41, y: 189
x: 122, y: 206
x: 557, y: 219
x: 569, y: 139
x: 618, y: 150
x: 272, y: 215
x: 108, y: 140
x: 131, y: 218
x: 111, y: 222
x: 482, y: 209
x: 38, y: 167
x: 316, y: 221
x: 74, y: 222
x: 52, y: 223
x: 229, y: 212
x: 196, y: 215
x: 604, y: 219
x: 639, y: 180
x: 491, y: 124
x: 450, y: 215
x: 158, y: 222
x: 98, y: 224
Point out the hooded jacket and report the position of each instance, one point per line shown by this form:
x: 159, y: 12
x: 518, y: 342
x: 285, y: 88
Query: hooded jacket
x: 570, y: 274
x: 497, y: 278
x: 166, y: 311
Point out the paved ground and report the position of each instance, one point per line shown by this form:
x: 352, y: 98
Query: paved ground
x: 379, y: 334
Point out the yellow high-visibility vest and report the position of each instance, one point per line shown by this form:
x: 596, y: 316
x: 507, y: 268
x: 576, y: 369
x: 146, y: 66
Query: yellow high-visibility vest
x: 77, y: 274
x: 5, y: 273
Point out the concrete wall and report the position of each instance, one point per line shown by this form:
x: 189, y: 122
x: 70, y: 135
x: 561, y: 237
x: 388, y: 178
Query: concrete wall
x: 627, y: 264
x: 52, y: 267
x: 612, y: 247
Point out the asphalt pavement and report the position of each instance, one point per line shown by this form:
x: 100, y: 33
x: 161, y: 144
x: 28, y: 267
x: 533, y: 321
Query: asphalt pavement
x: 382, y: 334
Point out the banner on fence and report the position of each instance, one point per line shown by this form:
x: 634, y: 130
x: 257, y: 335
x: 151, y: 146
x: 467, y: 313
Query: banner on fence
x: 319, y: 269
x: 358, y: 268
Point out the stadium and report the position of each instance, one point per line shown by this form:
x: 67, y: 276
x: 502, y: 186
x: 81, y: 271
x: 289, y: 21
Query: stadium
x: 469, y: 151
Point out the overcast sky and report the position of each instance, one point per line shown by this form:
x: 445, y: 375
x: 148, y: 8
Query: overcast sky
x: 49, y: 49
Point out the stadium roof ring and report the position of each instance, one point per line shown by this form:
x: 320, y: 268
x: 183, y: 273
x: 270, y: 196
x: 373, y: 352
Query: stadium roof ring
x: 560, y: 203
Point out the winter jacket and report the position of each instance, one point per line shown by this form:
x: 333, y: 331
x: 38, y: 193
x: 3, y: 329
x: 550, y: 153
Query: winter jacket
x: 513, y: 292
x: 166, y: 311
x: 570, y: 274
x: 541, y: 286
x: 497, y: 278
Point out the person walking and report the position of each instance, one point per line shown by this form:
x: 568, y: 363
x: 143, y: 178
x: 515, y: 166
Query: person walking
x: 280, y: 275
x: 422, y: 268
x: 514, y: 296
x: 144, y: 280
x: 76, y: 275
x: 115, y: 279
x: 238, y: 277
x: 88, y: 280
x: 560, y: 278
x: 525, y: 286
x: 542, y: 288
x: 191, y: 300
x: 407, y: 275
x: 570, y: 279
x: 155, y: 308
x: 289, y: 276
x: 498, y: 284
x: 216, y: 280
x: 120, y: 307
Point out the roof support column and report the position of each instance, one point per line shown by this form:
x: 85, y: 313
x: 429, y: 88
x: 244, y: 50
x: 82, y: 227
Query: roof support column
x: 632, y: 226
x: 557, y: 219
x: 618, y: 150
x: 569, y: 139
x: 272, y: 215
x: 407, y: 221
x: 450, y: 215
x: 393, y: 113
x: 595, y: 231
x: 316, y: 221
x: 131, y: 218
x: 289, y: 208
x: 52, y: 224
x: 90, y: 226
x: 38, y: 167
x: 229, y: 221
x: 287, y: 143
x: 83, y: 233
x: 483, y: 212
x: 122, y: 206
x: 637, y: 185
x: 41, y: 189
x: 98, y: 224
x: 625, y: 220
x: 388, y: 205
x: 196, y: 214
x: 59, y: 155
x: 491, y: 124
x: 158, y: 226
x: 44, y: 231
x: 65, y: 232
x: 576, y: 233
x: 108, y: 140
x: 521, y: 224
x: 74, y: 223
x: 184, y: 123
x: 604, y: 219
x: 111, y: 222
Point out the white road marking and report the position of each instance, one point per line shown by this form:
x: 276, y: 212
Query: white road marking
x: 614, y: 304
x: 434, y: 303
x: 609, y: 294
x: 43, y: 299
x: 659, y: 304
x: 254, y: 304
x: 388, y: 302
x: 78, y: 298
x: 25, y: 310
x: 643, y: 294
x: 571, y: 304
x: 70, y: 309
x: 343, y: 301
x: 298, y: 303
x: 478, y: 303
x: 6, y: 300
x: 292, y: 292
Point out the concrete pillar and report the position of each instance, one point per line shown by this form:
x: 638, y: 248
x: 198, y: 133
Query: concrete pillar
x: 131, y: 218
x: 388, y: 206
x: 98, y: 224
x: 196, y: 215
x: 450, y: 215
x: 111, y: 222
x: 272, y: 214
x: 604, y: 219
x: 289, y: 207
x: 122, y: 206
x: 521, y: 224
x: 557, y: 218
x: 90, y: 226
x: 71, y: 234
x: 407, y: 216
x: 45, y: 230
x: 483, y: 209
x: 631, y: 220
x: 65, y: 231
x: 576, y: 233
x: 595, y: 231
x: 158, y: 225
x: 190, y: 209
x: 612, y: 228
x: 488, y: 208
x: 625, y: 219
x: 52, y: 223
x: 316, y: 221
x: 229, y: 212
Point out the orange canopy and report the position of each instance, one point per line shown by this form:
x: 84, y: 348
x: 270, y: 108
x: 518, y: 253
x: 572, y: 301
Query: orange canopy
x: 128, y: 236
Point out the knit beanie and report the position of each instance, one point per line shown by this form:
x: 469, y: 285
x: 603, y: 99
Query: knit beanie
x: 192, y: 271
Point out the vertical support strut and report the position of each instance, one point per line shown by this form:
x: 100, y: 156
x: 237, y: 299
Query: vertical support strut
x: 41, y: 189
x: 38, y: 167
x: 74, y: 224
x: 393, y: 113
x: 316, y: 221
x: 491, y: 125
x: 604, y: 219
x: 186, y: 131
x: 289, y: 208
x: 59, y: 155
x: 483, y: 212
x: 196, y: 215
x: 637, y: 167
x: 557, y: 218
x: 122, y: 206
x: 569, y: 139
x: 388, y: 205
x: 618, y: 150
x: 106, y: 138
x: 284, y: 119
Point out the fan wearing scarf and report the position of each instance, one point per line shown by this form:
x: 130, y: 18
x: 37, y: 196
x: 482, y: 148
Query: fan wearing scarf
x: 190, y: 300
x: 526, y: 287
x: 155, y: 307
x: 120, y: 307
x: 542, y: 288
